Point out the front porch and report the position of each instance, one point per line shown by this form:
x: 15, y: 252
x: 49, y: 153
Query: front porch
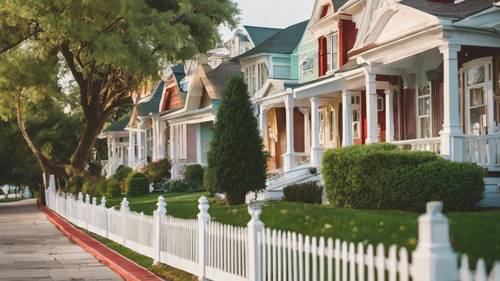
x: 416, y: 103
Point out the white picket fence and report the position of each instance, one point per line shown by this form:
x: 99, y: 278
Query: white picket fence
x: 215, y: 251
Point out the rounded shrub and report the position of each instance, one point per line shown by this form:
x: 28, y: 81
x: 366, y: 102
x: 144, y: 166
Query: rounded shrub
x: 193, y: 175
x: 158, y: 172
x: 113, y: 188
x: 122, y: 173
x: 89, y: 187
x: 382, y: 176
x: 178, y: 186
x: 136, y: 184
x: 101, y: 188
x: 308, y: 192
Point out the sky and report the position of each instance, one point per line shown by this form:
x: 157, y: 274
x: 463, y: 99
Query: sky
x: 271, y: 13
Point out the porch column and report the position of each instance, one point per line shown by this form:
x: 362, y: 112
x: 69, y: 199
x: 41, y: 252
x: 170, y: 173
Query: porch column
x: 198, y: 144
x: 171, y: 142
x: 289, y: 157
x: 451, y: 141
x: 346, y: 118
x: 139, y: 145
x: 371, y: 108
x: 389, y: 115
x: 131, y: 149
x: 262, y: 121
x: 316, y: 150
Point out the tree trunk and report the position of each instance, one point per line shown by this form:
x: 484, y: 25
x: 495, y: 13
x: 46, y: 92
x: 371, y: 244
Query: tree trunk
x: 93, y: 126
x: 46, y: 164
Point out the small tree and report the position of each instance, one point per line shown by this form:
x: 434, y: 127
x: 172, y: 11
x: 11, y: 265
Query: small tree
x: 236, y: 160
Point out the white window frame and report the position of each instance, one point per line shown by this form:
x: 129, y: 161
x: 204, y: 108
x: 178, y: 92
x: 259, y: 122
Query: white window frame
x: 487, y: 85
x: 331, y: 54
x: 418, y: 117
x: 356, y: 107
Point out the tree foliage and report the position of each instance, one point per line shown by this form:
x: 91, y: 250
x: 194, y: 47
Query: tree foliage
x: 107, y: 48
x: 236, y: 160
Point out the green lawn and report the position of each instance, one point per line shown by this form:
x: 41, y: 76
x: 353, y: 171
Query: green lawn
x: 166, y: 272
x: 475, y: 233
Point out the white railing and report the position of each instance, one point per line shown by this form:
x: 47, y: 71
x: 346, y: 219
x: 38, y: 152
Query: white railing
x: 215, y: 251
x: 483, y: 150
x: 428, y: 144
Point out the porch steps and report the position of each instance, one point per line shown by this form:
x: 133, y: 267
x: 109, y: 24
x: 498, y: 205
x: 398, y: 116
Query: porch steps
x: 275, y: 185
x: 492, y: 191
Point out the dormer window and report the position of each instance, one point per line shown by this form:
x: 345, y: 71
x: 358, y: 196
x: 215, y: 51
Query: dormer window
x: 324, y: 11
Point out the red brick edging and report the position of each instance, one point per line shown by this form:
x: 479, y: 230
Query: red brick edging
x: 124, y: 267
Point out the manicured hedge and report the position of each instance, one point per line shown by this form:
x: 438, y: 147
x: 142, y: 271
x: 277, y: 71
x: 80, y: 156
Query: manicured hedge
x: 193, y: 176
x: 308, y: 192
x: 113, y: 188
x: 158, y: 172
x: 381, y: 176
x: 136, y: 184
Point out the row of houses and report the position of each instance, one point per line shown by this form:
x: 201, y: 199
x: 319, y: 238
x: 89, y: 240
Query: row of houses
x: 421, y: 74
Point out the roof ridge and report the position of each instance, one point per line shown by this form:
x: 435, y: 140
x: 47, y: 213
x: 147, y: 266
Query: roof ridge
x: 264, y: 27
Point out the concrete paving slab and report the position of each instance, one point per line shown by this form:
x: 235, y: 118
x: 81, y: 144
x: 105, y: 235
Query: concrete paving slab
x: 31, y: 248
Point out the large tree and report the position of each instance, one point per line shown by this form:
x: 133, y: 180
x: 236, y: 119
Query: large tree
x: 108, y: 47
x: 236, y: 160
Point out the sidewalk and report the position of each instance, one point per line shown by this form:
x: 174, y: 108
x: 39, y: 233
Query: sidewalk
x: 31, y: 248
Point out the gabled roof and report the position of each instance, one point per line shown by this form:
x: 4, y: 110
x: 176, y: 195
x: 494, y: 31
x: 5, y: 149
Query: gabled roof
x: 119, y: 125
x: 338, y: 3
x: 153, y: 104
x: 178, y: 71
x: 283, y: 42
x: 220, y: 76
x: 259, y: 34
x: 450, y: 10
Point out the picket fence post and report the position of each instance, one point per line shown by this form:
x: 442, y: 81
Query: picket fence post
x: 158, y: 234
x: 105, y: 213
x: 255, y: 227
x: 87, y: 213
x: 434, y: 259
x: 203, y: 220
x: 124, y: 209
x: 51, y: 192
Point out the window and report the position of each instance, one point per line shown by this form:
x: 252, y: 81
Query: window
x: 307, y: 64
x: 149, y: 142
x: 476, y: 91
x: 322, y: 128
x: 356, y: 116
x: 263, y: 75
x: 424, y: 112
x: 256, y: 76
x: 331, y: 122
x: 334, y: 51
x: 380, y: 104
x: 324, y: 11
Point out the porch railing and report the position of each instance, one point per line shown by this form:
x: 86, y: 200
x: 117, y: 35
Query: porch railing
x: 302, y: 158
x: 428, y: 144
x: 483, y: 150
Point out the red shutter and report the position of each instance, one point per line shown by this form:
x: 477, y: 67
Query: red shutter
x: 322, y: 56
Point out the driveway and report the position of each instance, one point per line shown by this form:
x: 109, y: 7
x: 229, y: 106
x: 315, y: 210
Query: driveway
x: 31, y: 248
